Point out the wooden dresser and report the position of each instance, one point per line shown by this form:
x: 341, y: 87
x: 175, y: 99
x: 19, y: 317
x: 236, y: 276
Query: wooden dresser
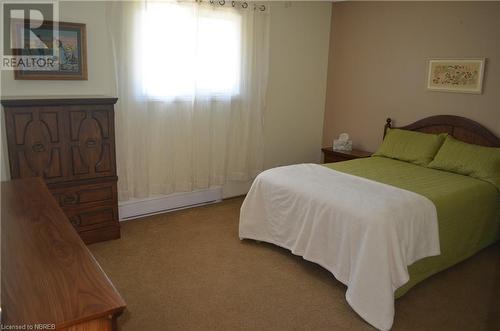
x: 50, y: 280
x: 70, y: 143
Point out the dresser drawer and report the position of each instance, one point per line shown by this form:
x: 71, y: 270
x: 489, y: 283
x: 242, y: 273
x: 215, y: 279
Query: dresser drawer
x: 339, y: 156
x: 335, y: 158
x: 85, y: 195
x: 92, y: 218
x: 100, y: 234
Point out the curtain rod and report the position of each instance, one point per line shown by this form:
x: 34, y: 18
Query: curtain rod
x: 244, y: 4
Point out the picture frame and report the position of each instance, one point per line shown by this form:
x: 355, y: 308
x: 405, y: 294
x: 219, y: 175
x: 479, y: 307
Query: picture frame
x: 456, y: 75
x: 70, y: 56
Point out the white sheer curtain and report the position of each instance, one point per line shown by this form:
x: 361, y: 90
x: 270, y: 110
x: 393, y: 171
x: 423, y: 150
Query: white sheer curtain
x: 191, y: 81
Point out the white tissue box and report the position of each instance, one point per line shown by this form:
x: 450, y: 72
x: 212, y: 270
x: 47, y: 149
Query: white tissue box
x: 342, y: 145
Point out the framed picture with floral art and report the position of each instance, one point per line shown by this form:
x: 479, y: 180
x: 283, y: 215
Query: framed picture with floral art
x: 456, y: 75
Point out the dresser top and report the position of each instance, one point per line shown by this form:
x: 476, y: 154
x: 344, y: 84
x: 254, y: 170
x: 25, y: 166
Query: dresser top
x: 23, y: 101
x: 48, y: 274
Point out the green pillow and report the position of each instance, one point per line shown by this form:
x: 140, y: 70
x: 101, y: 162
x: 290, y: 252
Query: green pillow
x: 411, y: 146
x: 470, y: 160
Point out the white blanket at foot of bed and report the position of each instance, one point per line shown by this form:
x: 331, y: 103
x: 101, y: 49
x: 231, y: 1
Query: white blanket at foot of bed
x: 364, y: 232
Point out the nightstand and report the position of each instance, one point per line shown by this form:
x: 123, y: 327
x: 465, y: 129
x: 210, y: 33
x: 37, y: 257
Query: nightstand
x: 338, y: 156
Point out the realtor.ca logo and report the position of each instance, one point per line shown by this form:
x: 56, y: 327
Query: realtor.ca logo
x: 29, y: 36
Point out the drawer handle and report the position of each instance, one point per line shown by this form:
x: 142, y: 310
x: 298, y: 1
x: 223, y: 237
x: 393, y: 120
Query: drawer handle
x: 75, y: 221
x: 69, y: 199
x: 38, y: 147
x: 91, y: 143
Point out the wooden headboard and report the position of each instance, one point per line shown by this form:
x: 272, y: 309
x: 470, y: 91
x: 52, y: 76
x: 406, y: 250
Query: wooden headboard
x: 460, y: 128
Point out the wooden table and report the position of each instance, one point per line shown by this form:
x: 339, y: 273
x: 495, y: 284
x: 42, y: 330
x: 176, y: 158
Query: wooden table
x: 48, y: 274
x: 338, y: 156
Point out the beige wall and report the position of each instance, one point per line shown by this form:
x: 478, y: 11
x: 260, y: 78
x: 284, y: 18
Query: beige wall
x: 297, y: 79
x: 378, y: 65
x: 297, y: 82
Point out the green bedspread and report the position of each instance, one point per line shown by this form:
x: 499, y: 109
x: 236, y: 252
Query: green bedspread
x: 468, y: 209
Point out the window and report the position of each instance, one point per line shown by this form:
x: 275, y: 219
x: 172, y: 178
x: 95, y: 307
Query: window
x: 190, y: 50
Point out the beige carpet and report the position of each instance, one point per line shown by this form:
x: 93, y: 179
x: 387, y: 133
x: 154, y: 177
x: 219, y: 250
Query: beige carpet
x: 187, y: 270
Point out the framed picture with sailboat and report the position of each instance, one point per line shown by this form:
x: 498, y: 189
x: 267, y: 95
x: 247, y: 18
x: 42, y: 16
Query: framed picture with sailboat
x: 57, y: 51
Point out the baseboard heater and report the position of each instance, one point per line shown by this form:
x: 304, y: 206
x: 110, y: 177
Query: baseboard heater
x: 136, y: 208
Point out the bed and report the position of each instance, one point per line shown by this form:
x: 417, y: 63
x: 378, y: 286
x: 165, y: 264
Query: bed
x: 466, y: 212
